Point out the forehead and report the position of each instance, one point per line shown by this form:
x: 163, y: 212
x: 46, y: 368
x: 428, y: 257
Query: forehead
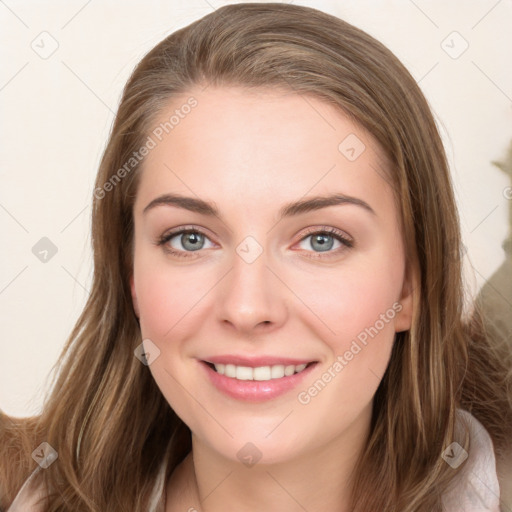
x: 257, y: 147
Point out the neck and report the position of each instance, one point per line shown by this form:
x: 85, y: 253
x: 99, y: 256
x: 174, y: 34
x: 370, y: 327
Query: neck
x: 318, y: 479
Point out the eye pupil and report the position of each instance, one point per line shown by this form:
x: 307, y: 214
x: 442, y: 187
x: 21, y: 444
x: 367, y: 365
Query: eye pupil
x: 192, y: 238
x: 321, y: 239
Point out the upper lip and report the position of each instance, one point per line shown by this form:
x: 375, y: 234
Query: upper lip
x: 254, y: 362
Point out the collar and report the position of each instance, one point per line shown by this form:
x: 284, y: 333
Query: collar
x: 476, y: 487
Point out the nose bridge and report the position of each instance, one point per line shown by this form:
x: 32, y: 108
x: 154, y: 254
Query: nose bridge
x: 251, y: 294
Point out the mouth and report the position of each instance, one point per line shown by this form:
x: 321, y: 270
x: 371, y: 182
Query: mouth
x: 259, y: 382
x: 258, y: 373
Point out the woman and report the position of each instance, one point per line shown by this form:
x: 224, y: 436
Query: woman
x: 275, y: 321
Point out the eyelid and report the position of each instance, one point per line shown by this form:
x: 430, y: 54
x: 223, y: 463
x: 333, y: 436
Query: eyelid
x: 180, y: 230
x: 335, y: 232
x: 183, y: 229
x: 346, y: 240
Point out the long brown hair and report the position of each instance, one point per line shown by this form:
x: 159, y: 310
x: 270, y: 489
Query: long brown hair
x: 105, y: 415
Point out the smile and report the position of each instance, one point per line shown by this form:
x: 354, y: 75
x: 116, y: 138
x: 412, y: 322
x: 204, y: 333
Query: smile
x: 259, y: 373
x: 259, y: 382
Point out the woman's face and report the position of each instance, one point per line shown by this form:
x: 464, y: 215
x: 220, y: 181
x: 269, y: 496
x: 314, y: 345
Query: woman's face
x: 266, y: 279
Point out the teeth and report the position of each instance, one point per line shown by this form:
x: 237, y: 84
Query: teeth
x: 244, y: 373
x: 259, y: 373
x: 289, y: 370
x: 230, y: 370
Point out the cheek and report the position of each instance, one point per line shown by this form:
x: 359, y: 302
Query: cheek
x: 155, y: 302
x: 165, y: 296
x: 359, y: 308
x: 354, y: 300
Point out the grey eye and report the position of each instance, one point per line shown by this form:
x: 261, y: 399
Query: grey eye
x: 322, y: 242
x: 188, y: 241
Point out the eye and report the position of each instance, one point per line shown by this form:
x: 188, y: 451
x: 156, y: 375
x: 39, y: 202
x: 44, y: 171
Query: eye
x: 182, y: 241
x: 324, y: 240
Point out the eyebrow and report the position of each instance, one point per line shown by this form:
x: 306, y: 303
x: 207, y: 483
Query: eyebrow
x: 291, y: 209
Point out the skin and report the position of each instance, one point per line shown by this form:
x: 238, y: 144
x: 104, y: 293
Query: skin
x: 251, y: 152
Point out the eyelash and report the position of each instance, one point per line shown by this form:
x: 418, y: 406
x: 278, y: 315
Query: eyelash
x: 324, y: 230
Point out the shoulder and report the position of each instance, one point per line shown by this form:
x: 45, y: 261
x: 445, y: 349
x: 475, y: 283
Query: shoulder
x: 504, y: 466
x: 476, y: 487
x: 30, y: 497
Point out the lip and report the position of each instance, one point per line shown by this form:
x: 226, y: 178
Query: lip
x: 254, y: 362
x: 252, y: 390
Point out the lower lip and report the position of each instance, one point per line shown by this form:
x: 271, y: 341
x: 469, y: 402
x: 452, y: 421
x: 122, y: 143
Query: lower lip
x: 255, y: 390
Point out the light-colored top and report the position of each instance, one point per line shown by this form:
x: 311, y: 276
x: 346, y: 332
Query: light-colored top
x: 476, y: 488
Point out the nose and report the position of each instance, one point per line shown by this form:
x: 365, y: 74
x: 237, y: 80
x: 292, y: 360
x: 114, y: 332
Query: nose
x: 251, y: 298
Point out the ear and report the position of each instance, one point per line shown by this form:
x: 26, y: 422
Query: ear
x: 403, y: 319
x: 134, y: 297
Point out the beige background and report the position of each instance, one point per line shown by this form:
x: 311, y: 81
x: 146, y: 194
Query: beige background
x: 57, y: 108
